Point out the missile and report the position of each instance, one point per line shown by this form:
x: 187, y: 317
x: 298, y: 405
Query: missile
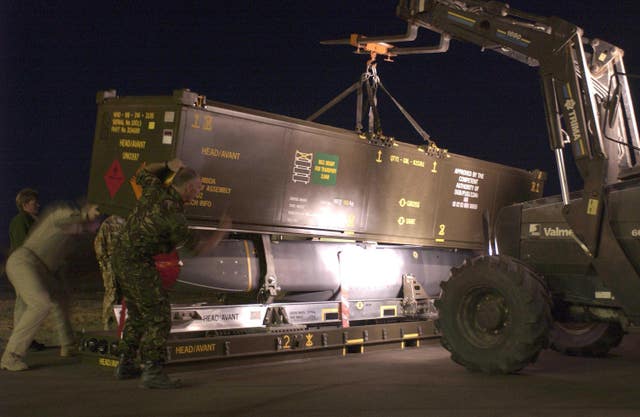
x: 311, y: 270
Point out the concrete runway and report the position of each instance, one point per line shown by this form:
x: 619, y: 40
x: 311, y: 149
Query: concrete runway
x: 412, y: 382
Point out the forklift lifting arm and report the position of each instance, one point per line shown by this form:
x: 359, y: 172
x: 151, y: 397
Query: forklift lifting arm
x: 576, y: 106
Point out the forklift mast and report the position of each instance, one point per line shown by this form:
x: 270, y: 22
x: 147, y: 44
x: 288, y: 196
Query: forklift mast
x: 587, y: 101
x: 592, y: 114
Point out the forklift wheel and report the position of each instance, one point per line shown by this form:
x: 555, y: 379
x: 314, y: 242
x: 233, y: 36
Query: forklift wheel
x: 494, y: 315
x: 585, y: 339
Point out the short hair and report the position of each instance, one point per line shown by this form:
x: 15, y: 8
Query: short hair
x: 24, y: 196
x: 183, y: 176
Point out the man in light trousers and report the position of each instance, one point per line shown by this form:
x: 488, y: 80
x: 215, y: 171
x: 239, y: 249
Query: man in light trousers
x: 31, y: 269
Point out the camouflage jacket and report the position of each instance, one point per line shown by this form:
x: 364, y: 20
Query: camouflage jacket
x: 156, y: 225
x: 106, y: 238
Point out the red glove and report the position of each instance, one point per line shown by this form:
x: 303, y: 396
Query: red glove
x: 168, y: 266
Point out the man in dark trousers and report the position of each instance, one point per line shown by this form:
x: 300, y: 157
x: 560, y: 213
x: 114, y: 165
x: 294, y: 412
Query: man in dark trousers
x: 157, y: 225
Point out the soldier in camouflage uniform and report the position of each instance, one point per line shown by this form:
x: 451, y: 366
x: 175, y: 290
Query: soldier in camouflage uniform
x: 104, y: 245
x: 156, y: 225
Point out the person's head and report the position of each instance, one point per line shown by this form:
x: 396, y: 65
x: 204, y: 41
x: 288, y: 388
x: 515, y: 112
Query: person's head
x: 187, y: 183
x: 27, y: 201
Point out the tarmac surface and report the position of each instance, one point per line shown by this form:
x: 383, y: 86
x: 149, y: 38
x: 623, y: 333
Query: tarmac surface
x: 412, y: 382
x: 379, y: 383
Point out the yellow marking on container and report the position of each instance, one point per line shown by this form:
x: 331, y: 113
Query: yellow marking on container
x: 535, y: 187
x: 130, y: 156
x: 409, y: 336
x: 326, y: 311
x: 351, y: 220
x: 249, y: 277
x: 386, y: 308
x: 355, y: 341
x: 604, y: 295
x: 194, y: 348
x: 287, y: 342
x: 196, y: 121
x: 309, y: 342
x: 208, y: 123
x: 403, y: 344
x: 344, y: 350
x: 111, y: 363
x: 592, y: 207
x: 439, y: 240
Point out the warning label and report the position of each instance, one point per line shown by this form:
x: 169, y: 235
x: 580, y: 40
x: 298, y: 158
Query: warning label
x: 114, y: 178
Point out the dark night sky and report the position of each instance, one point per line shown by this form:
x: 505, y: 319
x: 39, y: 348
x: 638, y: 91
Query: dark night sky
x: 55, y: 56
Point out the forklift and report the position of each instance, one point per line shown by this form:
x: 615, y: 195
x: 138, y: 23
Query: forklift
x: 561, y: 271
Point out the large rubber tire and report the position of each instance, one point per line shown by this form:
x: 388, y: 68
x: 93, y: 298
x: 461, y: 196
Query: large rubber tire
x: 494, y: 315
x: 585, y: 339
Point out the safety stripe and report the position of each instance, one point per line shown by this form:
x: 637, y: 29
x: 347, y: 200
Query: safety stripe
x: 461, y: 19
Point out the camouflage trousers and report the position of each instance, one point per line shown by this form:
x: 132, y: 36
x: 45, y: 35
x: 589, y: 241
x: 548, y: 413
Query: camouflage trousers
x: 111, y: 293
x: 148, y: 323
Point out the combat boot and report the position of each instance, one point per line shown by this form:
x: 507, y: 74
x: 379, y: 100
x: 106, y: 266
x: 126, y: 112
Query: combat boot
x: 155, y: 378
x: 127, y: 368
